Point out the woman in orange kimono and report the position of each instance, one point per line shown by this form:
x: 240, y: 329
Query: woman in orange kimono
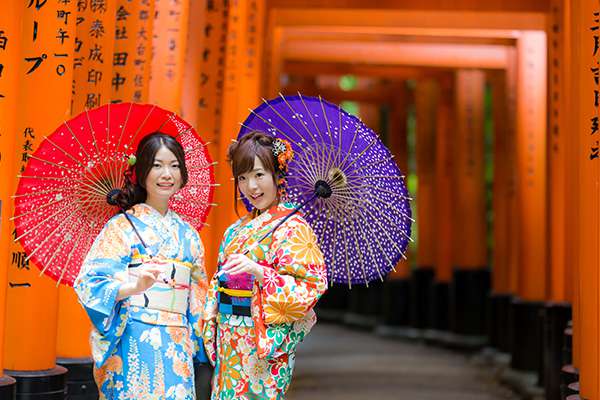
x: 260, y: 302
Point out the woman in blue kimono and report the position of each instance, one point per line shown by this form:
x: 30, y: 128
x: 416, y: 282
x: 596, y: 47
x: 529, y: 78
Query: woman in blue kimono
x: 143, y: 285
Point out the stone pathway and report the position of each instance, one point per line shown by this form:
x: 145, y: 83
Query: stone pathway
x: 336, y: 362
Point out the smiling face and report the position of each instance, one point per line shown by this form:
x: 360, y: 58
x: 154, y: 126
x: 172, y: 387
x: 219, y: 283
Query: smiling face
x: 164, y: 177
x: 258, y: 186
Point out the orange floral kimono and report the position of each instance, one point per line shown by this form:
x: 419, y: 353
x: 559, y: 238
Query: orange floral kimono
x: 251, y: 333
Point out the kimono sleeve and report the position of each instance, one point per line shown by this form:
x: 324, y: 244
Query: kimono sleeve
x: 298, y: 278
x: 103, y: 272
x: 198, y: 287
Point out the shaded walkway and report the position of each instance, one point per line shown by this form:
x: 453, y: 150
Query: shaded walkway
x: 336, y: 362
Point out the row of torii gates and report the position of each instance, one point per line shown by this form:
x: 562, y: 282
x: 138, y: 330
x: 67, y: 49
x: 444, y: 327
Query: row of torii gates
x: 212, y: 60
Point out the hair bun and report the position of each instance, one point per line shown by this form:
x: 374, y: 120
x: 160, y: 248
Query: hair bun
x: 113, y: 197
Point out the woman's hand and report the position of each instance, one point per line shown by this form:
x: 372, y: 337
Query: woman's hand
x: 147, y: 275
x: 238, y: 263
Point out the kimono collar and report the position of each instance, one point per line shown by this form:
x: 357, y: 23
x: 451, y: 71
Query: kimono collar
x: 273, y: 210
x: 146, y: 211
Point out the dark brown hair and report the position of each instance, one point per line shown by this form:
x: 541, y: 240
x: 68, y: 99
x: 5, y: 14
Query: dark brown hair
x: 134, y: 193
x: 241, y: 156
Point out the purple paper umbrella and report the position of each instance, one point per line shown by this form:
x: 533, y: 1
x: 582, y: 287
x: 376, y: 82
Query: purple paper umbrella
x: 347, y: 182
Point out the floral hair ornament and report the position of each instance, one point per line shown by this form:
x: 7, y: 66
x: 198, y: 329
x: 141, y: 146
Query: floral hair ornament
x: 131, y: 160
x: 282, y: 150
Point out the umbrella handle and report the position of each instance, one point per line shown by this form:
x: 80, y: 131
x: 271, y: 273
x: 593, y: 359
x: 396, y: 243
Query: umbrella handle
x: 135, y: 230
x: 111, y: 198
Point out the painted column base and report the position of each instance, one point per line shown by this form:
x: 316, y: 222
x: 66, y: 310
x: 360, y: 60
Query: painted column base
x: 395, y: 309
x: 568, y: 376
x: 333, y: 304
x: 526, y: 335
x: 80, y: 378
x: 364, y: 308
x: 420, y: 298
x: 8, y: 388
x: 499, y: 321
x: 556, y: 317
x: 439, y: 321
x: 48, y: 384
x: 469, y: 291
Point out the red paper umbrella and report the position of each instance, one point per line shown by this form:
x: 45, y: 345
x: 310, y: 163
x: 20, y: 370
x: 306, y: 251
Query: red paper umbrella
x: 61, y: 201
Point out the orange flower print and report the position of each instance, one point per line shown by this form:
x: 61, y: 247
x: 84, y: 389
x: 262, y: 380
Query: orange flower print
x: 176, y: 333
x: 303, y: 246
x: 181, y: 367
x: 281, y: 309
x: 231, y: 364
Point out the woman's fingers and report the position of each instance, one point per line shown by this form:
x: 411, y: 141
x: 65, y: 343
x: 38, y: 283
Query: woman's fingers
x: 230, y: 263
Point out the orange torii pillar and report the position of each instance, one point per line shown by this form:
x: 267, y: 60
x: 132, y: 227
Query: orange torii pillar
x: 169, y: 51
x: 91, y: 88
x: 364, y: 301
x: 532, y: 201
x: 10, y: 41
x: 131, y: 57
x: 470, y: 281
x: 45, y: 72
x: 572, y: 66
x: 197, y: 84
x: 444, y: 160
x: 503, y: 202
x: 557, y: 311
x: 395, y: 312
x: 585, y: 108
x: 241, y: 83
x: 209, y: 114
x: 426, y: 104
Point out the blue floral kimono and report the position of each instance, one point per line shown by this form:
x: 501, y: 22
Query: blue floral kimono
x: 144, y: 346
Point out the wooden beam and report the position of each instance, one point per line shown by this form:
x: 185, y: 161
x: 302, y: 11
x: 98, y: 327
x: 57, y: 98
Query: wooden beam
x: 409, y: 54
x: 436, y: 5
x: 404, y: 34
x: 396, y: 72
x: 439, y: 19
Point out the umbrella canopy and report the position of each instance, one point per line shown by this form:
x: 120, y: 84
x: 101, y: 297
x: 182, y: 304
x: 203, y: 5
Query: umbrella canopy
x: 362, y: 217
x: 61, y: 200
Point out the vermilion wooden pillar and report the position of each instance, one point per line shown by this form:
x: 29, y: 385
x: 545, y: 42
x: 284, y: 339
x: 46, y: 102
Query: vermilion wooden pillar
x: 93, y: 62
x: 585, y: 109
x: 365, y: 301
x: 504, y: 198
x: 470, y: 281
x: 198, y: 31
x: 209, y: 111
x: 426, y: 103
x: 444, y: 165
x: 396, y: 292
x: 92, y: 76
x: 10, y: 41
x: 242, y: 72
x: 132, y: 52
x: 532, y: 198
x: 45, y: 71
x: 170, y: 36
x: 557, y: 311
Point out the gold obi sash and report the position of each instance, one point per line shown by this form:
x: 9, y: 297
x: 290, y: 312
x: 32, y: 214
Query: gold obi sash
x: 171, y: 291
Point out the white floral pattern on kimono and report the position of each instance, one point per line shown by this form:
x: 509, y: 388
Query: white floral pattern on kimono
x: 139, y: 352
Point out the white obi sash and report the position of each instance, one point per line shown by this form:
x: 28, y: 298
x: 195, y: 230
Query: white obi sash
x: 171, y: 291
